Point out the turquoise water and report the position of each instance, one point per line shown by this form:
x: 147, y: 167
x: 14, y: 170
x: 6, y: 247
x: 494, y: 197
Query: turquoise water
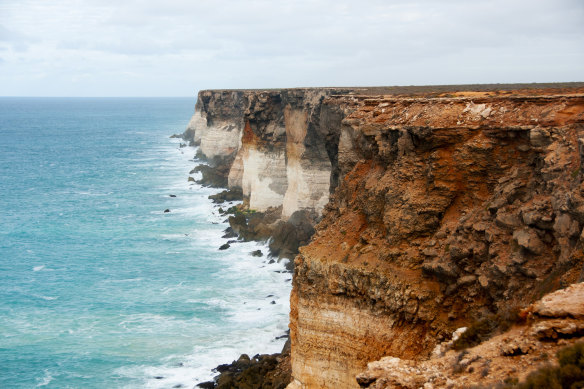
x: 99, y: 287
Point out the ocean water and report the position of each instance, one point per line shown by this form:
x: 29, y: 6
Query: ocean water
x: 99, y: 287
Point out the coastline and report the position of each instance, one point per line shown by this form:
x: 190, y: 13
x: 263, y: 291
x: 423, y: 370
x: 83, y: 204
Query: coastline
x: 395, y: 266
x: 243, y: 367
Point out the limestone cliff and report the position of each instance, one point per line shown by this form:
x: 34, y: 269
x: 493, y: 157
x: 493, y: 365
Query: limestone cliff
x: 437, y: 206
x: 449, y: 207
x: 278, y: 144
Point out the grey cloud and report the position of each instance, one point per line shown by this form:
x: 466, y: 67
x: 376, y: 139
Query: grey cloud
x: 318, y: 42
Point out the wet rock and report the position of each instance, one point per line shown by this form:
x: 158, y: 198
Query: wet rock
x: 227, y: 195
x: 257, y: 253
x: 288, y: 236
x: 229, y: 233
x: 171, y: 195
x: 206, y: 385
x: 224, y: 246
x: 167, y: 210
x: 261, y: 371
x: 215, y: 177
x: 251, y: 225
x: 191, y: 179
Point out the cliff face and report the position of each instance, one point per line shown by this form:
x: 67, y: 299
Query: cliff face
x: 448, y: 208
x: 274, y: 143
x: 445, y: 206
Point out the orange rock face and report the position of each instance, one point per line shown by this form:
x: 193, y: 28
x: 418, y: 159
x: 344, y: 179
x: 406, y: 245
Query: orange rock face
x: 526, y: 347
x: 447, y: 208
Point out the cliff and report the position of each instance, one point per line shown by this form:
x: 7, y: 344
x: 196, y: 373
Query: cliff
x: 436, y: 207
x: 279, y: 149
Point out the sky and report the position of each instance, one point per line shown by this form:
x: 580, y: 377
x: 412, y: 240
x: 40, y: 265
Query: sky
x: 176, y: 47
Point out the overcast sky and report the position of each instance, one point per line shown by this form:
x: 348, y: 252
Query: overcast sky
x: 175, y: 47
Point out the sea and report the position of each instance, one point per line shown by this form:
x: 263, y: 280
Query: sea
x: 99, y: 286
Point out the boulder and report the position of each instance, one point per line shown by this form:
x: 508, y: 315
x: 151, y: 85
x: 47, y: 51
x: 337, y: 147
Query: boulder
x: 528, y: 240
x: 563, y: 303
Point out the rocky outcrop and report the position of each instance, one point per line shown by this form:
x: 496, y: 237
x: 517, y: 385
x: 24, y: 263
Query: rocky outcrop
x: 278, y: 148
x: 262, y: 141
x: 508, y: 357
x: 437, y: 206
x: 259, y: 372
x: 448, y: 208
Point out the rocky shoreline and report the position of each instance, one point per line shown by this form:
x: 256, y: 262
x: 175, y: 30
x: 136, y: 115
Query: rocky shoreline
x: 261, y: 370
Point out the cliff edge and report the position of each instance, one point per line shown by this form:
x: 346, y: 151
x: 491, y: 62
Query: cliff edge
x: 436, y: 207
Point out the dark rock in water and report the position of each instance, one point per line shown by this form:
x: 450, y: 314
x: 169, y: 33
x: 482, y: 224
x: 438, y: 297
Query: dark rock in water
x: 176, y: 136
x: 231, y: 241
x: 251, y: 225
x: 159, y: 377
x: 289, y: 235
x: 222, y: 368
x: 261, y: 371
x: 206, y: 385
x: 215, y: 177
x: 227, y: 195
x: 191, y: 179
x: 178, y: 386
x: 224, y: 246
x: 243, y: 361
x: 229, y: 233
x: 171, y: 195
x: 270, y: 295
x: 257, y: 253
x: 182, y: 145
x: 200, y: 156
x: 273, y: 302
x: 229, y: 211
x: 167, y: 210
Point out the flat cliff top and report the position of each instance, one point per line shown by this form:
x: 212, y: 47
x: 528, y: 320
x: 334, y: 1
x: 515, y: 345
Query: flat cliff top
x: 467, y: 90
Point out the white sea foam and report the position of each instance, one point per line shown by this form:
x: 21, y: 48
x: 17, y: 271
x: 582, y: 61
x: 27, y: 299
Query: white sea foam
x: 48, y: 298
x: 250, y: 321
x: 38, y: 268
x: 44, y: 381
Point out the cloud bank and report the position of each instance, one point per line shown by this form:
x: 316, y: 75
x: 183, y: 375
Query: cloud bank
x: 174, y: 47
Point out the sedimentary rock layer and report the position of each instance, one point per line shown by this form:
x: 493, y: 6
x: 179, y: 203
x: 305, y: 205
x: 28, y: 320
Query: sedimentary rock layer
x: 274, y: 143
x: 448, y: 208
x: 550, y: 325
x: 447, y: 203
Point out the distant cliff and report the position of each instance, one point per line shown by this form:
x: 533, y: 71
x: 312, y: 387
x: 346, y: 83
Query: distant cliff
x: 436, y: 206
